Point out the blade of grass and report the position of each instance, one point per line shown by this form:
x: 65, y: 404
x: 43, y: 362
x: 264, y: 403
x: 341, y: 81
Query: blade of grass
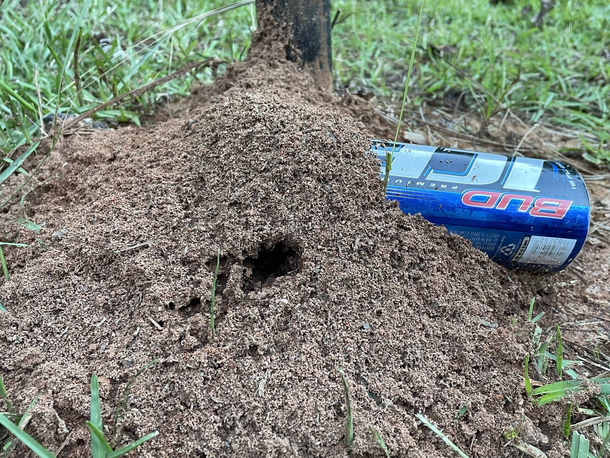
x: 530, y: 314
x: 22, y: 423
x: 24, y: 103
x: 79, y: 97
x: 99, y: 446
x: 349, y: 422
x: 70, y: 49
x: 379, y: 440
x: 389, y: 154
x: 580, y: 446
x: 558, y: 390
x: 24, y: 437
x: 441, y: 435
x: 567, y: 424
x: 537, y: 317
x: 104, y: 446
x: 604, y: 446
x: 17, y: 163
x: 559, y: 352
x: 133, y: 445
x: 7, y: 277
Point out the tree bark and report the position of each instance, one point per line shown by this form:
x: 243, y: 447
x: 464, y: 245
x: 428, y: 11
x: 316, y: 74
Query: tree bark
x: 306, y: 27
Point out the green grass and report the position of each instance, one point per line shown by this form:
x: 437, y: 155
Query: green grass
x: 100, y: 448
x: 559, y: 74
x: 560, y: 391
x: 148, y: 39
x: 580, y: 446
x: 51, y: 61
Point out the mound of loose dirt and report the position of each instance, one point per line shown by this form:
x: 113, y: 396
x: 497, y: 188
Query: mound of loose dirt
x: 317, y: 271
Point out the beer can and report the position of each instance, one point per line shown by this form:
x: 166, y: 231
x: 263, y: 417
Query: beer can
x: 524, y: 213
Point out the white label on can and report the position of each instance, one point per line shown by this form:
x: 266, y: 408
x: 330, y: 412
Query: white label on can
x: 550, y: 251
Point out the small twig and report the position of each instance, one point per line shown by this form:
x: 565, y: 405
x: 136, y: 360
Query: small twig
x: 139, y: 245
x: 65, y: 442
x: 527, y: 448
x: 157, y: 325
x: 140, y: 90
x: 590, y: 422
x: 101, y: 322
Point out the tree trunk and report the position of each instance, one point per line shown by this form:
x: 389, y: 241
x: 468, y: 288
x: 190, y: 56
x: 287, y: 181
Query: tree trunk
x: 307, y: 29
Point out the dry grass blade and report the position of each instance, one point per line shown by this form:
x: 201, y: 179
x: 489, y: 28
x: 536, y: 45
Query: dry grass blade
x: 349, y: 421
x: 528, y: 449
x: 526, y: 377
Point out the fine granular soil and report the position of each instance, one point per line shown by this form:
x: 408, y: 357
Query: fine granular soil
x: 317, y: 271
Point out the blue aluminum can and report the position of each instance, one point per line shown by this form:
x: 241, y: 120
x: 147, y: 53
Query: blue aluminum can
x: 524, y: 213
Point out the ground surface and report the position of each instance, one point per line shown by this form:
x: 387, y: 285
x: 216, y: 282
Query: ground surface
x: 317, y: 271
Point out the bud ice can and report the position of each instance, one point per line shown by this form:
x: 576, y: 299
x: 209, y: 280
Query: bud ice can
x: 524, y: 213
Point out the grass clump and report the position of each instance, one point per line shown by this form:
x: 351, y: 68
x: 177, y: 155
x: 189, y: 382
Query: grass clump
x: 562, y: 391
x: 116, y: 47
x: 100, y: 448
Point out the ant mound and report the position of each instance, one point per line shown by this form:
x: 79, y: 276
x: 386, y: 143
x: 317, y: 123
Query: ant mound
x: 316, y: 271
